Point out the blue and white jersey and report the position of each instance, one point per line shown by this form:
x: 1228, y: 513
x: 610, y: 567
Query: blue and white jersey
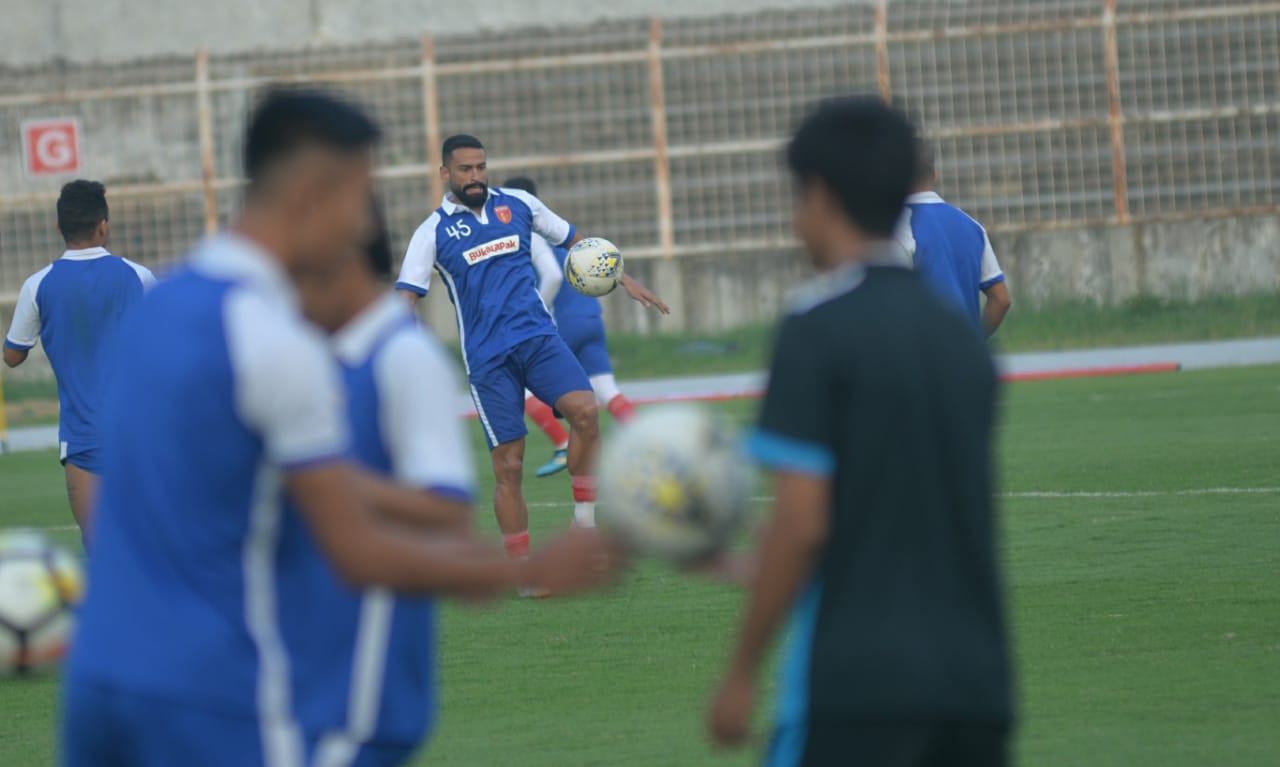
x: 950, y: 250
x: 221, y: 390
x: 568, y: 303
x: 75, y: 307
x: 487, y: 266
x: 362, y: 662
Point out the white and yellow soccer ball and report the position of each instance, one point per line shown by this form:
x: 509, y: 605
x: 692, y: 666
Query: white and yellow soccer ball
x: 593, y: 267
x: 674, y: 483
x: 40, y: 586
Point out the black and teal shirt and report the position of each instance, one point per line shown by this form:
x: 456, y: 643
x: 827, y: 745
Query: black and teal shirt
x: 879, y: 386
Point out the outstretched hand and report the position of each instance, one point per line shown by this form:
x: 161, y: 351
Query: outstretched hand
x: 647, y: 298
x: 575, y: 561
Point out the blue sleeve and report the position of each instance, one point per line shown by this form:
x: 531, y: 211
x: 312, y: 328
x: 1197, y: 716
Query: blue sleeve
x: 780, y: 453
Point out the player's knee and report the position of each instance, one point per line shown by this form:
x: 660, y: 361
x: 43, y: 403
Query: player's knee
x: 585, y: 419
x: 508, y: 468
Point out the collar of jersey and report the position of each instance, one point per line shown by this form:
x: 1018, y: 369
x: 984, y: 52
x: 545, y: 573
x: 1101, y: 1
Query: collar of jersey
x: 354, y: 342
x: 924, y: 198
x: 231, y: 255
x: 84, y: 254
x: 452, y: 206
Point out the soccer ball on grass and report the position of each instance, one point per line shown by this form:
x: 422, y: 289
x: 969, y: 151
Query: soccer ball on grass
x: 40, y: 585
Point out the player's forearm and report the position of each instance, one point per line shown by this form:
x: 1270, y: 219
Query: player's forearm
x: 424, y: 562
x: 997, y: 306
x: 790, y: 546
x: 418, y: 508
x: 785, y: 565
x: 410, y: 297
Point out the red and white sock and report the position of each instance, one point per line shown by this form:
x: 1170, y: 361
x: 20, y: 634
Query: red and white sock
x: 517, y: 544
x: 584, y: 501
x: 621, y: 409
x: 609, y: 395
x: 545, y: 419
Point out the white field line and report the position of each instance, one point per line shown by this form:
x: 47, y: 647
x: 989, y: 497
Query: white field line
x: 1030, y: 494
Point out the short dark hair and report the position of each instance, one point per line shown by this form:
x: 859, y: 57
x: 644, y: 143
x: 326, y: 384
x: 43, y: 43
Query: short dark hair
x: 523, y: 183
x: 456, y: 142
x: 379, y: 248
x: 288, y: 120
x: 864, y: 152
x: 926, y: 166
x: 82, y: 205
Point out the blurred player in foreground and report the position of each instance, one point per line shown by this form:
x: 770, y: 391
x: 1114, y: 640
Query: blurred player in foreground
x: 479, y: 241
x: 951, y: 251
x: 362, y: 662
x: 226, y: 403
x: 75, y: 307
x: 579, y: 319
x: 877, y: 426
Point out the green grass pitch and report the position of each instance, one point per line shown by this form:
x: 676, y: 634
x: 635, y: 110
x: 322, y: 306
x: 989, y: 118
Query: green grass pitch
x: 1142, y: 538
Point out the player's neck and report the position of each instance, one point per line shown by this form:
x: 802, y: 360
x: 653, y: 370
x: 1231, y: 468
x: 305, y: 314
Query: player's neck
x: 265, y: 232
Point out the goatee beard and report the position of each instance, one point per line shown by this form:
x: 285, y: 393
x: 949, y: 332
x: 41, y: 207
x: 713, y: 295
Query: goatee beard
x: 474, y: 196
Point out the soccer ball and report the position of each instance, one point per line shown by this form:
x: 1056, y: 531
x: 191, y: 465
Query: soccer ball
x: 40, y: 585
x: 674, y: 483
x: 593, y: 267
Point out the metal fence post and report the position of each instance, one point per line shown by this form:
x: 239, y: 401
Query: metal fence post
x: 1115, y: 114
x: 431, y: 118
x: 661, y: 157
x: 204, y: 121
x: 882, y: 50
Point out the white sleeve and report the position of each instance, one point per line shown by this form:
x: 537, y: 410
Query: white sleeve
x: 420, y: 258
x: 546, y: 223
x: 904, y: 235
x: 24, y: 331
x: 548, y: 267
x: 144, y: 274
x: 991, y: 271
x: 418, y: 390
x: 287, y: 385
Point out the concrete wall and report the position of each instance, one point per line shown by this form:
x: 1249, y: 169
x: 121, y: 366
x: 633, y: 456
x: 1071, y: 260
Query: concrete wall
x: 34, y: 31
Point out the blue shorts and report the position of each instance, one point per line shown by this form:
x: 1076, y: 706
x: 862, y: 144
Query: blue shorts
x: 87, y: 457
x: 585, y: 338
x: 103, y: 726
x: 543, y: 365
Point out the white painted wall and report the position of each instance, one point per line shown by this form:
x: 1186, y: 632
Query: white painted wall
x: 35, y: 31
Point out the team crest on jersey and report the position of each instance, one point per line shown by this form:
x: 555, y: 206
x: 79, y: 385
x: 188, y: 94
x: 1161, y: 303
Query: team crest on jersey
x: 500, y: 247
x: 503, y: 213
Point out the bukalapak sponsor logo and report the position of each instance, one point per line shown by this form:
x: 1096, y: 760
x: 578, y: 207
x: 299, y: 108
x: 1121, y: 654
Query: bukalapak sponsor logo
x: 500, y: 247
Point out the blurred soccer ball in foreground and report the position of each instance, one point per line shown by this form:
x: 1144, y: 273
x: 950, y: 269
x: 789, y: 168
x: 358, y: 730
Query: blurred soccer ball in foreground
x: 40, y: 584
x: 593, y: 267
x: 674, y: 483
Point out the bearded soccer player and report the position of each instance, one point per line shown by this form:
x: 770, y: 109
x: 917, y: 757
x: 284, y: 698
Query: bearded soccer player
x: 479, y: 242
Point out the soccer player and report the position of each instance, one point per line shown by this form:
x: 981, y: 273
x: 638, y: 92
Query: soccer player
x: 364, y: 679
x: 479, y: 241
x: 877, y: 427
x: 224, y: 403
x: 578, y: 318
x: 951, y: 251
x: 75, y: 307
